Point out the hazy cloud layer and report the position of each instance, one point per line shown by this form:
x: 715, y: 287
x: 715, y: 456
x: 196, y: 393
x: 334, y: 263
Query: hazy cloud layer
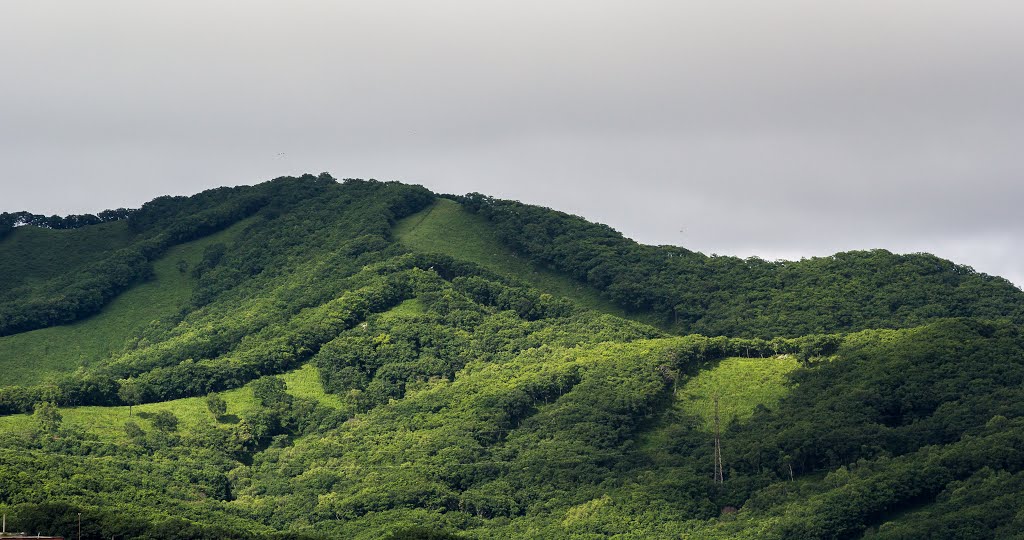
x: 781, y: 129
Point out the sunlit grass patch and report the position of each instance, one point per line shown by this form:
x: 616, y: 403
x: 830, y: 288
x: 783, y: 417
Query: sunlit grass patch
x: 108, y: 422
x: 740, y: 384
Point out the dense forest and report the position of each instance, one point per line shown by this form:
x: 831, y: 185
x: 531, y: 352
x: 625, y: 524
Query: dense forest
x: 312, y: 358
x: 715, y: 295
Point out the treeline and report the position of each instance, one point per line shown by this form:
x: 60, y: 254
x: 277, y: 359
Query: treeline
x: 275, y: 350
x: 892, y: 393
x: 72, y: 297
x: 337, y: 227
x: 716, y: 295
x: 11, y: 220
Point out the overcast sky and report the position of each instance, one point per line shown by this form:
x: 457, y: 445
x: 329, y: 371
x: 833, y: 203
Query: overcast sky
x: 780, y: 129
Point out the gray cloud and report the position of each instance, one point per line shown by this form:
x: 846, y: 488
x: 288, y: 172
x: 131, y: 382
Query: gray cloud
x: 779, y: 129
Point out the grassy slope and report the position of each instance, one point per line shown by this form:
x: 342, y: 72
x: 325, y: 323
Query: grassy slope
x: 108, y: 422
x: 445, y: 227
x: 50, y: 253
x: 408, y: 308
x: 741, y: 384
x: 28, y: 358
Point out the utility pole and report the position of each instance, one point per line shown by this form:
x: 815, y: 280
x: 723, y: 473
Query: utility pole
x: 79, y: 526
x: 719, y: 476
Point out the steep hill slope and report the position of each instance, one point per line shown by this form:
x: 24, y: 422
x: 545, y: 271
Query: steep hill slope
x: 100, y: 266
x: 750, y: 297
x: 365, y: 359
x: 445, y: 227
x: 30, y: 357
x: 32, y: 255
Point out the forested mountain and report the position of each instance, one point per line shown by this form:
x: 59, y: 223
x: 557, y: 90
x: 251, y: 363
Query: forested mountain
x: 751, y: 297
x: 308, y: 358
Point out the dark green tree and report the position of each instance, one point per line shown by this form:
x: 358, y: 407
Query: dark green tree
x: 130, y: 392
x: 216, y: 405
x: 271, y: 392
x: 133, y: 431
x: 165, y: 420
x: 47, y: 417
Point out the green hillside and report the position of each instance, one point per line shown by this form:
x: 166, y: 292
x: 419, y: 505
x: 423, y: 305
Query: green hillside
x: 29, y: 357
x: 82, y: 271
x: 309, y: 358
x: 446, y: 228
x: 714, y: 295
x: 33, y: 254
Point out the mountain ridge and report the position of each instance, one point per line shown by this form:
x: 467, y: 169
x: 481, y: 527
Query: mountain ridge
x: 382, y: 361
x: 600, y: 257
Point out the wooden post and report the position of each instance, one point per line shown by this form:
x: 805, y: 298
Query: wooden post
x: 719, y: 476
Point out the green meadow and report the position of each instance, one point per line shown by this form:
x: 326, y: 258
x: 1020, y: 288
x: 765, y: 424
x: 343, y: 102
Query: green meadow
x: 740, y: 384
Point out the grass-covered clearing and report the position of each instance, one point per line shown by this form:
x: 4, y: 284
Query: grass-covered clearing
x: 305, y: 383
x: 29, y: 357
x: 445, y: 227
x: 741, y: 384
x: 108, y: 422
x: 408, y: 308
